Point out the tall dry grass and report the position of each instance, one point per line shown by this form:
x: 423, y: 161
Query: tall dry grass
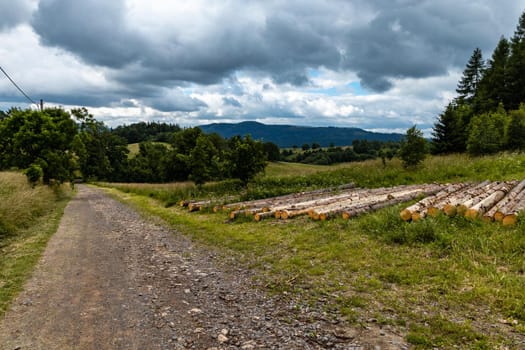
x: 20, y: 204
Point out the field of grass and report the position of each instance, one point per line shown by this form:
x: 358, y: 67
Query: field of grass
x: 28, y: 218
x: 134, y: 148
x: 441, y: 282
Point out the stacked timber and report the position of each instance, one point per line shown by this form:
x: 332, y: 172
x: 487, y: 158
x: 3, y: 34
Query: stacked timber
x: 511, y: 214
x: 419, y: 210
x: 374, y: 200
x: 490, y: 201
x: 325, y: 204
x: 505, y: 206
x: 262, y: 205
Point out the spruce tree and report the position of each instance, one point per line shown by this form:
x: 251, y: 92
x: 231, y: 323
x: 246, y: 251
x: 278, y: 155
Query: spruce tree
x: 493, y: 88
x: 515, y: 73
x: 446, y: 132
x: 472, y: 75
x: 413, y: 148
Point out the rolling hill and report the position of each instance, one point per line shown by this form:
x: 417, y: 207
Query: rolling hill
x: 289, y: 135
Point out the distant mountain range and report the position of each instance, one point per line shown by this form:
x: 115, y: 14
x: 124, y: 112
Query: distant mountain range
x: 289, y: 135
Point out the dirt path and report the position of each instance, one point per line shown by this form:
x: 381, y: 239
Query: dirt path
x: 111, y: 280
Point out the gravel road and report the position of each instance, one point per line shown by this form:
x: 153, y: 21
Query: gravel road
x: 110, y: 279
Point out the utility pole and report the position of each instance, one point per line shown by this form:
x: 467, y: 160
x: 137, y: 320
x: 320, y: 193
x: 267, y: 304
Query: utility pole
x: 41, y: 105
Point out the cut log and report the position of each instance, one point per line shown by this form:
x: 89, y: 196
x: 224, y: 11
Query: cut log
x: 451, y: 208
x: 511, y: 218
x: 487, y: 191
x: 396, y: 194
x: 498, y: 212
x: 263, y: 215
x: 415, y: 211
x: 390, y: 200
x: 246, y: 212
x: 448, y: 204
x: 294, y: 197
x: 498, y: 193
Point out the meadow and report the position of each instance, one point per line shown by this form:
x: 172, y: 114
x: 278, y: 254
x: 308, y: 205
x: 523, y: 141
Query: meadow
x: 28, y: 218
x: 441, y: 282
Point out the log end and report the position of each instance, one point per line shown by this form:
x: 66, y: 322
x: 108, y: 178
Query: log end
x: 406, y: 215
x: 216, y: 209
x: 471, y: 214
x: 183, y: 203
x: 510, y: 220
x: 233, y: 215
x: 416, y: 216
x: 194, y: 207
x: 323, y: 217
x: 487, y: 218
x: 277, y: 214
x: 284, y: 215
x: 433, y: 212
x: 450, y: 210
x: 257, y: 217
x: 498, y: 216
x: 346, y: 216
x: 461, y: 210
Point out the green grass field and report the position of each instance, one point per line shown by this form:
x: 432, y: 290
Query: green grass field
x: 441, y: 282
x: 28, y: 218
x: 134, y: 148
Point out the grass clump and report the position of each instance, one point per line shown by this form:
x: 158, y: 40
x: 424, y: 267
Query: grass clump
x: 28, y: 218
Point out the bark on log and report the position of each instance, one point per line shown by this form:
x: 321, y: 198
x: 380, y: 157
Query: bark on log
x: 511, y: 218
x: 451, y: 208
x: 482, y: 207
x: 246, y: 212
x: 263, y: 215
x: 487, y: 191
x: 491, y: 199
x: 498, y: 212
x: 268, y: 202
x: 448, y: 204
x: 398, y: 194
x: 413, y: 212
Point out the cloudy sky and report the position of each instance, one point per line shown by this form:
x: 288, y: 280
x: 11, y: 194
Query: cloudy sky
x: 380, y: 65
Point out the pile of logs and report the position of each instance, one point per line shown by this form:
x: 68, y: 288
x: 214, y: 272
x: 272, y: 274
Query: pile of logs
x: 344, y: 201
x: 489, y: 201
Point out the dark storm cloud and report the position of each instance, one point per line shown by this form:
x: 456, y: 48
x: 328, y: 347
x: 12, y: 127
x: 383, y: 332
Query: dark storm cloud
x: 13, y: 13
x: 95, y: 30
x: 419, y: 40
x: 380, y: 40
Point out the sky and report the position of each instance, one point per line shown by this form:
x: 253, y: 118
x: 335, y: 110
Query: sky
x: 380, y: 65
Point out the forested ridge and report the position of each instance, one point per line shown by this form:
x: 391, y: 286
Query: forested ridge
x: 488, y: 114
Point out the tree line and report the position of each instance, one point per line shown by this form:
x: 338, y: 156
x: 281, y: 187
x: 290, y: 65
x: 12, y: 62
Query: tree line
x: 55, y: 145
x: 488, y: 114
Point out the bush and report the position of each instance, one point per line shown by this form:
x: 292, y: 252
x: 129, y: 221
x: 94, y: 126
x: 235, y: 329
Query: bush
x: 34, y: 174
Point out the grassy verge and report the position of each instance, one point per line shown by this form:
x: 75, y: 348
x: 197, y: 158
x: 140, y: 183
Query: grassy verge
x: 28, y: 218
x: 442, y: 282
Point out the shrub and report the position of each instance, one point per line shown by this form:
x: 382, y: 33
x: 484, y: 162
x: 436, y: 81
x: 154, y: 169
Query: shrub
x: 34, y: 174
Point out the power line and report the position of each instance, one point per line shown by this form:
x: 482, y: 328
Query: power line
x: 18, y: 87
